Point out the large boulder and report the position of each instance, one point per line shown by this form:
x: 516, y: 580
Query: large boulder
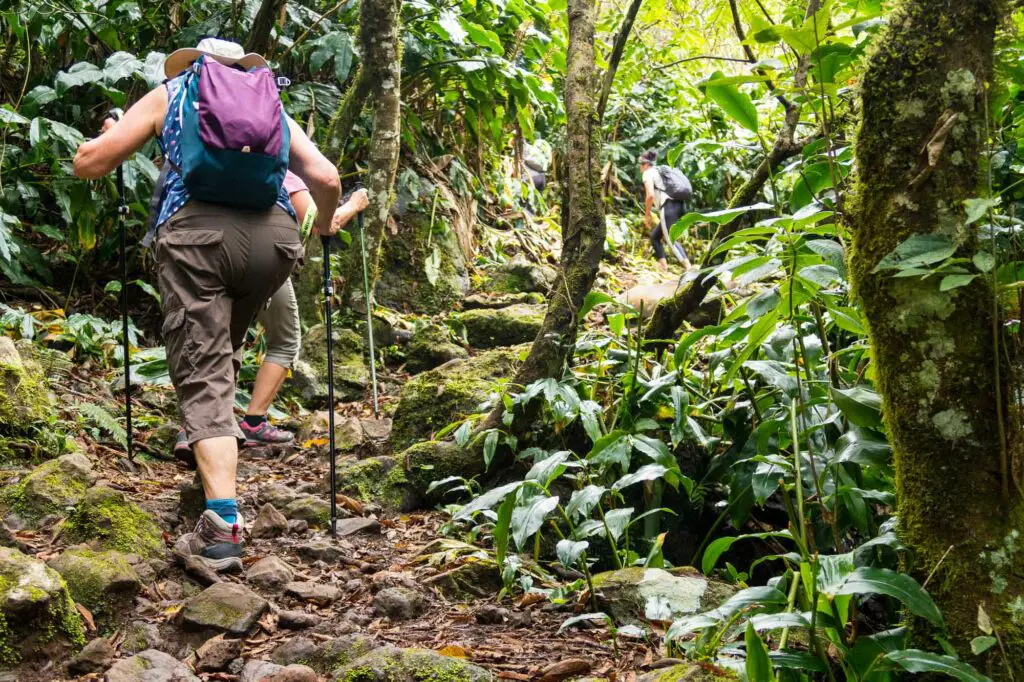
x: 25, y: 397
x: 391, y: 664
x: 497, y: 327
x: 224, y: 607
x: 351, y: 374
x: 36, y: 611
x: 150, y: 666
x: 381, y: 480
x: 109, y: 520
x: 522, y: 275
x: 422, y: 267
x: 104, y: 582
x: 50, y: 488
x: 430, y: 347
x: 435, y: 399
x: 636, y: 595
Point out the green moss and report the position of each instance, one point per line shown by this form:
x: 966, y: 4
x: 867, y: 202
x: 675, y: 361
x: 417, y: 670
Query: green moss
x: 43, y: 616
x: 102, y: 581
x: 435, y: 399
x: 377, y: 479
x: 942, y: 417
x: 402, y: 281
x: 25, y: 398
x: 688, y: 672
x: 432, y: 346
x: 390, y: 664
x: 351, y: 375
x: 311, y: 509
x: 48, y: 489
x: 105, y: 515
x: 492, y: 328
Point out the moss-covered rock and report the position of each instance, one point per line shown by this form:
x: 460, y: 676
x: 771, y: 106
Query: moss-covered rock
x: 522, y: 275
x: 312, y: 509
x: 381, y: 480
x: 226, y: 607
x: 472, y: 579
x: 635, y: 595
x: 432, y: 460
x: 50, y: 488
x: 483, y: 300
x: 339, y: 652
x: 104, y: 582
x: 403, y: 282
x: 351, y: 374
x: 36, y: 610
x: 108, y: 519
x: 391, y: 664
x: 430, y: 347
x: 435, y: 399
x: 25, y: 397
x: 688, y: 672
x: 497, y: 327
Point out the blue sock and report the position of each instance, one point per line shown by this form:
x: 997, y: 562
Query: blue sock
x: 226, y: 508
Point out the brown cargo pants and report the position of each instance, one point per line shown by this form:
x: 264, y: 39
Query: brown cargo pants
x: 216, y: 268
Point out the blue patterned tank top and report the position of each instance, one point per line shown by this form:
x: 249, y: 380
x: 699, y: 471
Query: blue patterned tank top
x: 175, y: 195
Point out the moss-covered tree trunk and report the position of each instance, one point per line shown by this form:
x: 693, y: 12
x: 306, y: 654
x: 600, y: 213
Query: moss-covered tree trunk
x: 583, y: 227
x: 918, y: 151
x: 345, y: 116
x: 382, y: 65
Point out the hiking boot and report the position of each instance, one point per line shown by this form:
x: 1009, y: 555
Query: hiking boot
x: 265, y: 434
x: 215, y: 541
x: 183, y: 451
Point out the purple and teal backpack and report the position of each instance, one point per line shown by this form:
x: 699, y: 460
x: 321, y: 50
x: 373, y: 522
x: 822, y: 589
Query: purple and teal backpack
x: 234, y: 135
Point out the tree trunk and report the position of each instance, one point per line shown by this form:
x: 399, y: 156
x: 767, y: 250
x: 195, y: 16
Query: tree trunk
x: 262, y: 25
x: 616, y: 56
x: 382, y: 65
x: 937, y: 369
x: 345, y: 117
x: 583, y: 228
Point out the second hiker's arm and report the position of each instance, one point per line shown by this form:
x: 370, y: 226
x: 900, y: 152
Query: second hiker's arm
x: 648, y: 201
x: 306, y: 161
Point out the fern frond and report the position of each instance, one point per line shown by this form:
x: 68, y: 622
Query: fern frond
x: 102, y: 419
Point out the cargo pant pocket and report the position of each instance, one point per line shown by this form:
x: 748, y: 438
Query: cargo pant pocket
x: 181, y: 348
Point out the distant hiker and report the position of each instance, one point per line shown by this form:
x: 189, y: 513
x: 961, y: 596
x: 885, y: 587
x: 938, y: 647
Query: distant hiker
x: 280, y: 320
x: 226, y: 241
x: 537, y: 159
x: 666, y: 191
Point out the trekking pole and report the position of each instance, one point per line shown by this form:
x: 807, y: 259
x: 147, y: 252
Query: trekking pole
x: 328, y: 293
x: 369, y: 316
x: 122, y: 215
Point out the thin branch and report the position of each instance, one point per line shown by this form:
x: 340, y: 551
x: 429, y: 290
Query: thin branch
x: 298, y: 41
x: 616, y: 56
x: 700, y: 56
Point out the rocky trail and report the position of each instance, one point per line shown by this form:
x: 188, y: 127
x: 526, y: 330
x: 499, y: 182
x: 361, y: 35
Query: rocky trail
x: 90, y: 588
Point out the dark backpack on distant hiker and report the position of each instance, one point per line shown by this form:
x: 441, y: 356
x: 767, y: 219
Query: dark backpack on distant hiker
x: 234, y: 135
x: 675, y: 184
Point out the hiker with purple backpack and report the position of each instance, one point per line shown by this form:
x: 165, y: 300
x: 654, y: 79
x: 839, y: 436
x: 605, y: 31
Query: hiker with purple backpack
x: 226, y: 240
x: 666, y: 191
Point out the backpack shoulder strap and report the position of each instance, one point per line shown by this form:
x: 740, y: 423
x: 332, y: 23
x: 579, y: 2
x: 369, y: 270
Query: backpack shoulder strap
x: 154, y: 203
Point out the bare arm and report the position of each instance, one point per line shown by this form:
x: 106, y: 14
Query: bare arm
x: 97, y: 157
x: 347, y: 211
x: 308, y: 163
x: 648, y: 202
x: 301, y: 201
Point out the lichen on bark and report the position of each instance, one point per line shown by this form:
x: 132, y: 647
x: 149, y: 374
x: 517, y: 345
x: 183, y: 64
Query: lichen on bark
x: 934, y: 354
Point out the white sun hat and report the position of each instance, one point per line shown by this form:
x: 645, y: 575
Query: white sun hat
x: 224, y: 51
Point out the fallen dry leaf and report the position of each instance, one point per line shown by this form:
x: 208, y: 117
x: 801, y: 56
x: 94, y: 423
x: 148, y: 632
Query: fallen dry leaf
x: 87, y: 617
x: 454, y: 651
